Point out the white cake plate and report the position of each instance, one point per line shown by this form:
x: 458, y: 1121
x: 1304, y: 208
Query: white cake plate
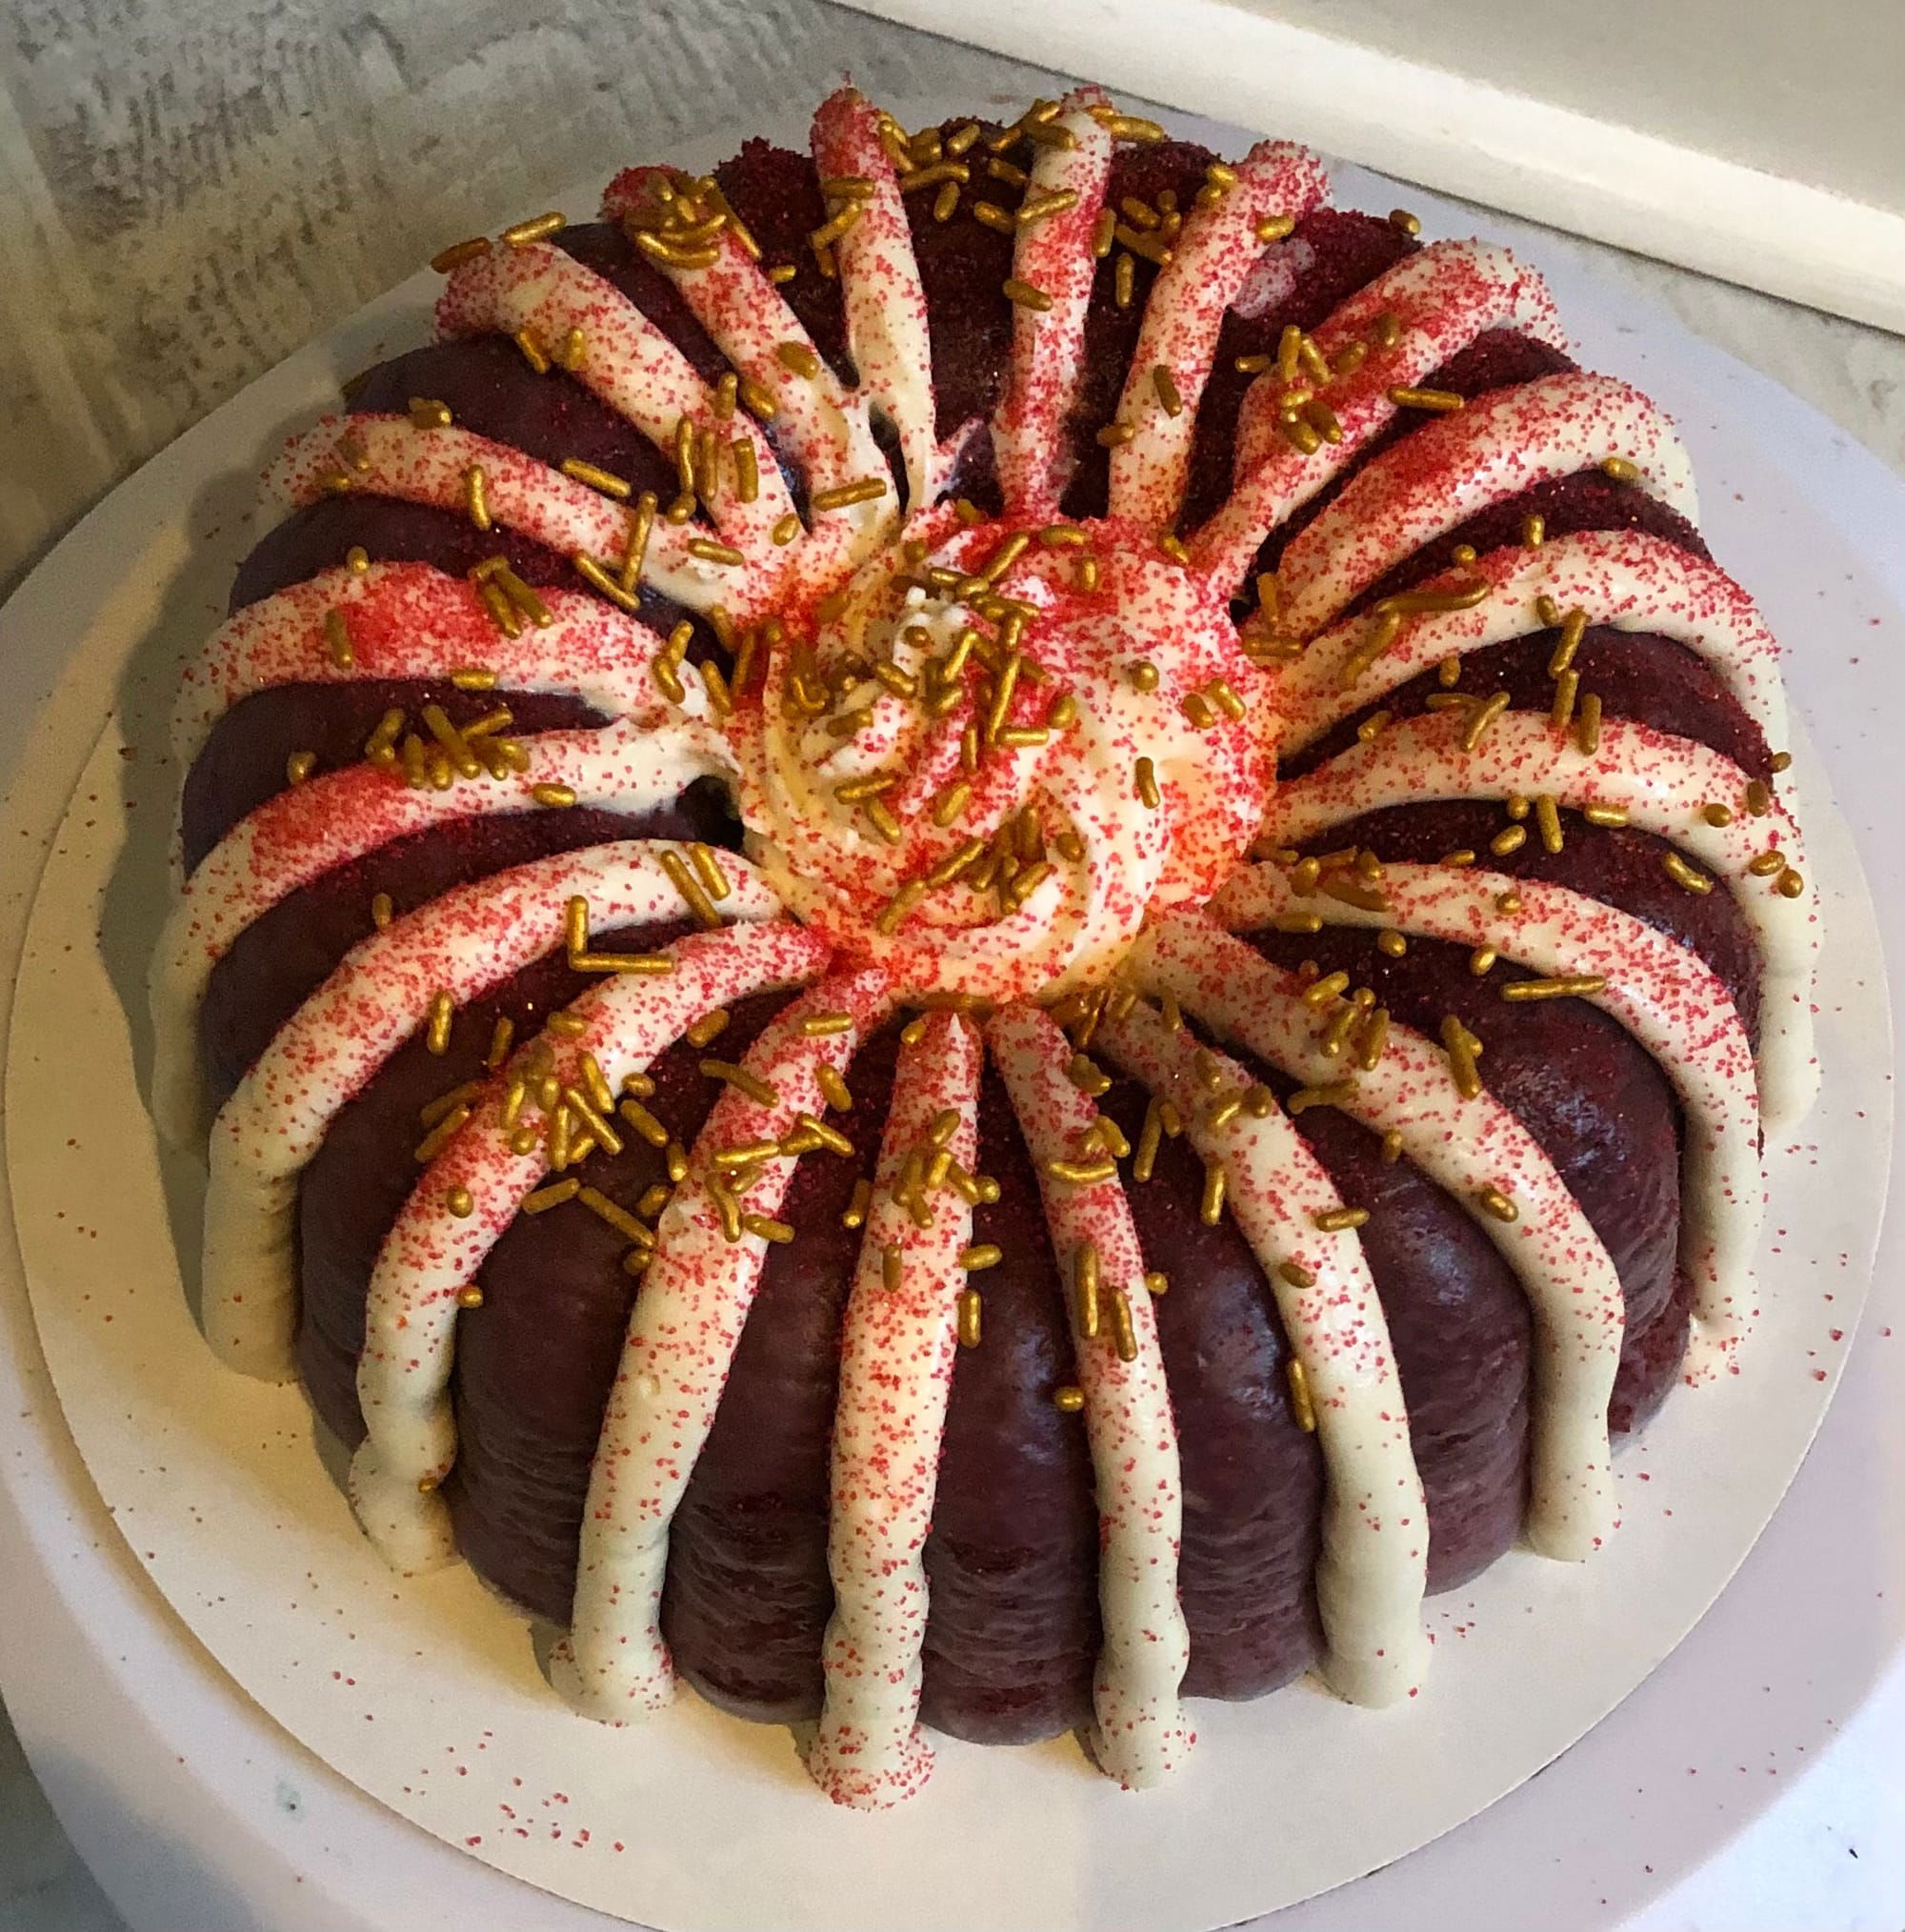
x: 197, y: 1811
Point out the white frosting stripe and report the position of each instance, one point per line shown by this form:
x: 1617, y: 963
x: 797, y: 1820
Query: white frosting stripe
x: 1142, y: 1733
x: 410, y: 621
x: 626, y: 360
x: 1375, y: 1561
x: 431, y: 1254
x: 687, y: 1316
x: 1662, y: 782
x: 897, y: 1354
x: 1213, y: 257
x: 1465, y: 1147
x: 1625, y: 580
x: 883, y: 298
x: 1054, y: 256
x: 820, y: 424
x: 1664, y: 995
x: 312, y: 829
x: 464, y: 943
x: 390, y: 456
x: 1441, y: 300
x: 1452, y: 468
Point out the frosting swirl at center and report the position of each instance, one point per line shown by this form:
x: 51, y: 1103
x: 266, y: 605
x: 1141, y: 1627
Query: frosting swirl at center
x: 1002, y: 747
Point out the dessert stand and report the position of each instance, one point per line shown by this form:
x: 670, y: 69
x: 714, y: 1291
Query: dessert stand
x: 196, y: 1809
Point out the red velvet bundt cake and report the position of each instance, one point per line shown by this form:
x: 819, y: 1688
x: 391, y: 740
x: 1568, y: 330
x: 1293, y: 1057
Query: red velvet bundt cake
x: 988, y: 929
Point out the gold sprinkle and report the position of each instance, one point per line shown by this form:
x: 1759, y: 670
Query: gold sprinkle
x: 438, y: 1016
x: 1081, y: 1173
x: 1588, y: 725
x: 1124, y: 1335
x: 1497, y: 1204
x: 1211, y: 1207
x: 1533, y: 531
x: 1685, y: 876
x: 767, y: 1228
x: 742, y: 1080
x: 1024, y: 295
x: 1068, y: 1398
x: 1482, y: 960
x: 1547, y: 822
x: 1302, y: 1405
x: 1144, y: 776
x: 299, y: 767
x: 652, y: 964
x: 1374, y: 1039
x: 1510, y: 838
x: 693, y: 894
x: 1716, y: 814
x: 598, y: 579
x: 1758, y: 798
x: 1437, y: 401
x: 1320, y: 992
x: 709, y: 1028
x: 382, y: 911
x: 537, y: 229
x: 1767, y: 864
x: 1085, y: 1290
x: 1037, y: 208
x: 1561, y: 712
x: 1481, y: 719
x: 604, y: 480
x: 709, y: 550
x: 1462, y: 1046
x: 834, y: 1089
x: 1296, y: 1275
x: 1408, y: 224
x: 1391, y: 942
x: 1789, y: 884
x: 1618, y: 470
x: 1164, y: 386
x: 864, y: 490
x: 893, y: 1266
x: 458, y: 252
x: 502, y: 1036
x: 855, y: 1214
x: 440, y: 1136
x: 552, y: 1195
x: 797, y: 359
x: 1782, y: 761
x: 1563, y: 986
x: 970, y: 1324
x: 614, y: 1214
x: 471, y: 1297
x: 1604, y: 815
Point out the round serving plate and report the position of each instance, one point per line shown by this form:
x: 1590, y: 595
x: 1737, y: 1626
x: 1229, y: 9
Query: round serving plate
x: 426, y: 1695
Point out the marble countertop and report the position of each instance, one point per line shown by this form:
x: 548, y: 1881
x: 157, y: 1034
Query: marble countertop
x: 183, y: 191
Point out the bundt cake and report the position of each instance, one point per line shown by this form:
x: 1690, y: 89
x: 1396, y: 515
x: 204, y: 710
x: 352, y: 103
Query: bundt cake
x: 987, y: 930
